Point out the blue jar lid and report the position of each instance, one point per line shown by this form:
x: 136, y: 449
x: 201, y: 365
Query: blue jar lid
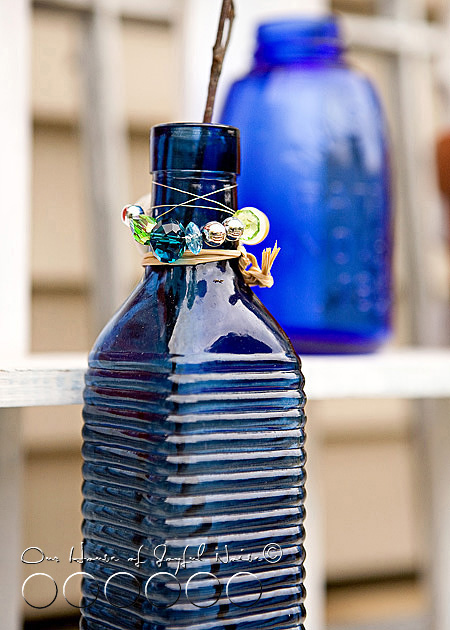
x: 289, y: 40
x: 194, y: 147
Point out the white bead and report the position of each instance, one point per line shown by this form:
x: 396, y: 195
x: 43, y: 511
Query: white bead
x: 132, y: 210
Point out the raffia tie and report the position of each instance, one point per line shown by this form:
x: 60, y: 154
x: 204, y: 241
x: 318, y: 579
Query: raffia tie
x: 256, y: 275
x: 253, y: 275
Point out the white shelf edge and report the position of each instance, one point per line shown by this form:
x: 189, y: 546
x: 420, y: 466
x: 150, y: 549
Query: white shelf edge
x: 43, y: 379
x: 58, y: 379
x: 413, y: 373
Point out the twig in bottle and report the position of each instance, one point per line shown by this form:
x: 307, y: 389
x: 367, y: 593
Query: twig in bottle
x: 219, y: 50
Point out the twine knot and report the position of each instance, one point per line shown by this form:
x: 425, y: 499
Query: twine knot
x: 256, y: 275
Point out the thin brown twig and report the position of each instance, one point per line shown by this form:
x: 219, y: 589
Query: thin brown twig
x: 219, y: 50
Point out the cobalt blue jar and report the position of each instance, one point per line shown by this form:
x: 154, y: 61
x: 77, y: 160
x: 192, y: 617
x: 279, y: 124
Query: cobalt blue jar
x: 315, y: 160
x: 193, y: 432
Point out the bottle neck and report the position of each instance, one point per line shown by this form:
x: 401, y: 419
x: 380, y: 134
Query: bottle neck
x: 197, y: 196
x: 206, y: 195
x: 305, y: 42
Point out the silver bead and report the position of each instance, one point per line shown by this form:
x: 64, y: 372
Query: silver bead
x: 234, y: 228
x: 214, y: 233
x: 132, y: 210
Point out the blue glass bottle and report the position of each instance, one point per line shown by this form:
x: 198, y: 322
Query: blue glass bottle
x: 315, y: 159
x: 194, y: 433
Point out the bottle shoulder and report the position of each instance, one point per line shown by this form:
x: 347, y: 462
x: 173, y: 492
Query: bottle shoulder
x: 199, y: 313
x: 301, y: 81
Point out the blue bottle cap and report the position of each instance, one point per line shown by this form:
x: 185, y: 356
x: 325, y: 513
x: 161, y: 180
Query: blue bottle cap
x: 194, y: 147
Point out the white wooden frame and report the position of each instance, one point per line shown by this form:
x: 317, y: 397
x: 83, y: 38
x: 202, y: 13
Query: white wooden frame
x: 14, y: 280
x: 402, y: 31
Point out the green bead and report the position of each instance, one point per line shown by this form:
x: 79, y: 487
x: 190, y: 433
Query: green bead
x: 141, y: 227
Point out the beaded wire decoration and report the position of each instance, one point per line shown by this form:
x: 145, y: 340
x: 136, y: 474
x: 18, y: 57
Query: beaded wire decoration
x: 172, y: 243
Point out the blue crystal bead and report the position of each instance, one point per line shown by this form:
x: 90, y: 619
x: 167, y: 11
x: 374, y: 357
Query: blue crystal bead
x: 168, y: 241
x: 194, y: 240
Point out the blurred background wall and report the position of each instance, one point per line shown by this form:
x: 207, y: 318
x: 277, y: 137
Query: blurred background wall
x: 374, y: 544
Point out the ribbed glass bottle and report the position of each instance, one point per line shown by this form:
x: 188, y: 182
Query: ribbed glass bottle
x: 194, y: 434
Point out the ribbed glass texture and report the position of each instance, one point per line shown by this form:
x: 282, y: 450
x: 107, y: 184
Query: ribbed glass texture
x: 194, y: 450
x: 315, y: 159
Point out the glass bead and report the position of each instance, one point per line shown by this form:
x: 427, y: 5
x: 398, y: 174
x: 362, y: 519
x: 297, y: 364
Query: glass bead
x: 234, y: 228
x: 141, y: 227
x: 194, y: 240
x: 168, y: 241
x: 256, y: 225
x: 214, y: 233
x: 131, y: 210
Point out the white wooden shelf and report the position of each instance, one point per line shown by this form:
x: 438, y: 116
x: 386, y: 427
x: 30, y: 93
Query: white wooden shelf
x: 57, y: 379
x: 43, y: 379
x: 394, y: 373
